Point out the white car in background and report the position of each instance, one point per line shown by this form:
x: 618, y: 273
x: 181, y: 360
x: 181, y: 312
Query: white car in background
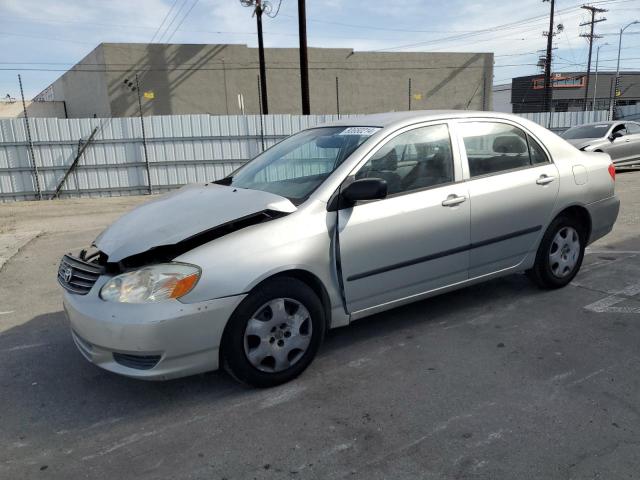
x: 620, y: 140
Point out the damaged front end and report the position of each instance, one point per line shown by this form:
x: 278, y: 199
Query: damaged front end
x: 165, y: 228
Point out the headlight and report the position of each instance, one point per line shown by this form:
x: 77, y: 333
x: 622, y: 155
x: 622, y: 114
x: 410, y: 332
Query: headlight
x: 156, y: 283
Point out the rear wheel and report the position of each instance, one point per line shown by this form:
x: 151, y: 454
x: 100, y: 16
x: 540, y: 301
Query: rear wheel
x: 274, y: 334
x: 560, y: 253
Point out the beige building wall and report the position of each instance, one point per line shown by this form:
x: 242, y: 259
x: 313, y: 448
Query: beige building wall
x: 200, y: 78
x: 14, y: 109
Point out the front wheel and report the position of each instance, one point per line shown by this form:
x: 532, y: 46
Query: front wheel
x: 274, y: 334
x: 560, y: 253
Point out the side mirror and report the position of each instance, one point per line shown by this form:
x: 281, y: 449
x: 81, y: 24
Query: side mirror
x: 615, y: 135
x: 364, y: 189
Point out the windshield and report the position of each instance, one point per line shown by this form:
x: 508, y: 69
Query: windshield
x: 586, y: 131
x: 295, y: 167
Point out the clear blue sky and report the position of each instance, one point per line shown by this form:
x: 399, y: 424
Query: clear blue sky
x: 45, y: 37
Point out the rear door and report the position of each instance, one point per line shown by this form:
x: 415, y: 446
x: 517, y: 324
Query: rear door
x: 617, y: 148
x: 513, y: 186
x: 631, y: 149
x: 414, y: 240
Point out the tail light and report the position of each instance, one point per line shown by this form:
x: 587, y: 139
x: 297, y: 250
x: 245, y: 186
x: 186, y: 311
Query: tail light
x: 612, y: 171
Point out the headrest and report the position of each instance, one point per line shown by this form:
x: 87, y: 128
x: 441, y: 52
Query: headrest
x: 387, y: 162
x: 330, y: 141
x: 509, y: 144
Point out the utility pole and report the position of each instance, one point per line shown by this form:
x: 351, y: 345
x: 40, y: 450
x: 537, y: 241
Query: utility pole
x: 263, y: 69
x: 590, y: 36
x: 135, y: 87
x: 34, y: 165
x: 260, y: 7
x: 304, y: 64
x: 547, y: 64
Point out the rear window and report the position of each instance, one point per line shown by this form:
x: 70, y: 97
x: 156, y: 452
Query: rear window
x: 586, y: 131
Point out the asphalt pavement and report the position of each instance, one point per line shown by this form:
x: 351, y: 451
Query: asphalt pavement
x: 495, y: 381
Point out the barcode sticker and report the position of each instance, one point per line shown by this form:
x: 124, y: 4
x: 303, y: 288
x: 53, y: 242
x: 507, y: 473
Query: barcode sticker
x: 364, y: 131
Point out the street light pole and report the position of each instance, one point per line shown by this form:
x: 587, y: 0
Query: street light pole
x: 595, y: 82
x: 612, y: 100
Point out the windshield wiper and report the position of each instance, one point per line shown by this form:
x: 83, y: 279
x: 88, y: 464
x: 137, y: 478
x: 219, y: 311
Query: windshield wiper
x: 226, y: 181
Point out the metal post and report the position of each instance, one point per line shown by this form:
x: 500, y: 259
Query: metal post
x: 613, y: 99
x: 260, y: 106
x: 595, y: 80
x: 409, y: 94
x: 337, y: 97
x: 547, y: 66
x: 30, y: 142
x: 304, y: 64
x: 144, y: 137
x: 263, y: 68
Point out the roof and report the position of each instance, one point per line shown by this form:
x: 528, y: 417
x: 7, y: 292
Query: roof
x: 397, y: 119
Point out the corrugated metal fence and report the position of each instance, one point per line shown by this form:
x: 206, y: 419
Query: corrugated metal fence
x: 181, y: 149
x: 560, y: 121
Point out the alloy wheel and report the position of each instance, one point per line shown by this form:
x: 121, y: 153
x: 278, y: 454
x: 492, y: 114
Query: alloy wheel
x: 564, y: 252
x: 277, y: 335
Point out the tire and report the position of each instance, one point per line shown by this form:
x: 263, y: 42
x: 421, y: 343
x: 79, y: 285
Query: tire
x: 274, y: 334
x: 560, y: 253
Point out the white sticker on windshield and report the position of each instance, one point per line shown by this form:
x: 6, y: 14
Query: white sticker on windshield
x: 365, y: 131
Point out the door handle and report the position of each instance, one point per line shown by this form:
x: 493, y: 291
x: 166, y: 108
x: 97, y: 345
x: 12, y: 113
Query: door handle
x: 545, y: 179
x: 453, y: 200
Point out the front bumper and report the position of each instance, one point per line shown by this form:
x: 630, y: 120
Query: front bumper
x: 155, y: 341
x: 604, y: 214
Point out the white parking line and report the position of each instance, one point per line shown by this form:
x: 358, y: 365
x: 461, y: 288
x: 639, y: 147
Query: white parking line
x: 7, y: 313
x: 588, y: 251
x: 606, y: 304
x: 24, y: 347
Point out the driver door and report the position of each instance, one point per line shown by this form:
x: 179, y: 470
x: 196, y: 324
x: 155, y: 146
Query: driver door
x: 414, y: 240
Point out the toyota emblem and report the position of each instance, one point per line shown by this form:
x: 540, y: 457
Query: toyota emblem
x: 67, y: 274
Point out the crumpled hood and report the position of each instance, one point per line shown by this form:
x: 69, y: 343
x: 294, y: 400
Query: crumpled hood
x: 182, y: 214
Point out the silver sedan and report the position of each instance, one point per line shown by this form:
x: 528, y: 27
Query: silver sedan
x: 329, y: 226
x: 621, y: 140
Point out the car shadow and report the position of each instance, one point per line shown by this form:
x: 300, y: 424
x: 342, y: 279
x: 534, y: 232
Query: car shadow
x: 45, y: 379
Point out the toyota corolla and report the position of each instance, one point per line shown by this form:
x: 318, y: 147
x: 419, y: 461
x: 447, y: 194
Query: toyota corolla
x: 329, y: 226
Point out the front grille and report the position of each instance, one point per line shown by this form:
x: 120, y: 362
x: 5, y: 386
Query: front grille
x: 78, y: 276
x: 139, y: 362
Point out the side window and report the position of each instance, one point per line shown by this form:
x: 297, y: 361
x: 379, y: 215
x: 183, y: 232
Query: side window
x: 413, y: 160
x: 633, y: 128
x: 495, y: 147
x: 536, y: 152
x: 621, y: 129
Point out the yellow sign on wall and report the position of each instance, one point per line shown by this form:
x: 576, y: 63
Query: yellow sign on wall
x: 417, y: 96
x: 150, y: 95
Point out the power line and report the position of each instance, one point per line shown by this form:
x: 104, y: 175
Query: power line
x: 173, y: 19
x: 164, y: 20
x: 182, y: 21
